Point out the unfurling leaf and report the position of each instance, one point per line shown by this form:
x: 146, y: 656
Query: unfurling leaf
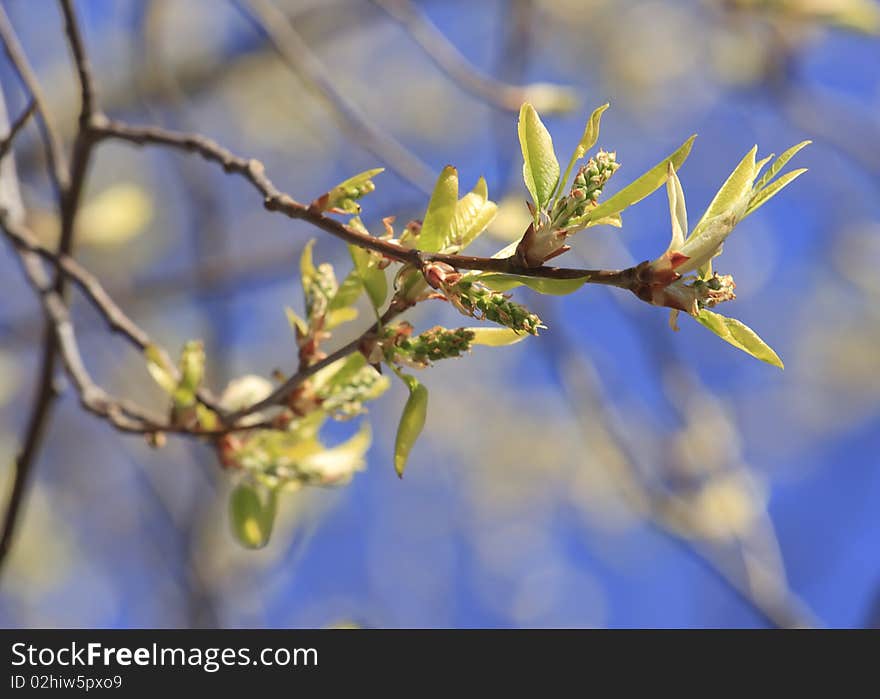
x: 540, y: 166
x: 441, y: 211
x: 740, y: 336
x: 160, y: 369
x: 498, y: 281
x: 588, y: 140
x: 372, y: 278
x: 411, y: 422
x: 495, y: 337
x: 473, y: 213
x: 250, y: 517
x: 644, y: 185
x: 344, y: 196
x: 780, y: 163
x: 192, y: 366
x: 771, y: 190
x: 731, y: 197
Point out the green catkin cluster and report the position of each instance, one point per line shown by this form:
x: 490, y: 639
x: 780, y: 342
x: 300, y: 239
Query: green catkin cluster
x: 588, y: 184
x: 435, y: 344
x: 477, y: 300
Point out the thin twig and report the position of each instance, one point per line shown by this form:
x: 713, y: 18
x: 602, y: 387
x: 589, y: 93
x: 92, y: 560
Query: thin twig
x: 58, y: 171
x: 17, y: 126
x: 275, y: 200
x: 449, y: 59
x: 297, y: 54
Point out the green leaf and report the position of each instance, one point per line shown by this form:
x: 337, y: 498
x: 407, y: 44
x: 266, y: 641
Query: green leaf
x: 770, y: 191
x: 473, y: 213
x: 496, y: 337
x: 732, y: 192
x: 307, y: 271
x: 297, y: 324
x: 588, y: 140
x: 644, y: 185
x: 498, y: 281
x: 412, y: 421
x: 677, y: 209
x: 780, y: 163
x: 371, y: 276
x: 349, y: 291
x: 192, y: 366
x: 540, y: 167
x: 160, y: 368
x: 341, y: 315
x: 339, y: 372
x: 250, y: 517
x: 441, y: 210
x: 345, y: 195
x: 740, y: 336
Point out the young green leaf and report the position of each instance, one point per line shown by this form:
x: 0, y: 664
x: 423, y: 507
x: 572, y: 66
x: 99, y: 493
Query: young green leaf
x: 540, y: 166
x: 160, y: 368
x: 771, y: 190
x: 498, y: 281
x: 644, y: 185
x: 780, y: 163
x: 441, y: 210
x: 588, y: 140
x: 732, y: 192
x: 250, y: 517
x: 411, y: 422
x: 496, y: 337
x: 344, y: 196
x: 473, y: 213
x: 192, y: 366
x: 371, y: 276
x: 307, y: 271
x: 740, y: 336
x: 297, y: 324
x: 349, y: 291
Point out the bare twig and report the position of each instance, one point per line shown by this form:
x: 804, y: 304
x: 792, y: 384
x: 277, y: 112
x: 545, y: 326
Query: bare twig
x: 55, y: 157
x: 299, y: 57
x: 274, y: 200
x: 449, y: 59
x: 17, y: 126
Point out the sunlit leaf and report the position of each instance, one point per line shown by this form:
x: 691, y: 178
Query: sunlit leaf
x: 496, y: 337
x: 540, y: 166
x: 344, y: 196
x: 773, y: 189
x: 349, y: 291
x: 441, y: 210
x: 588, y: 140
x: 780, y: 163
x: 644, y: 185
x: 412, y: 421
x: 473, y: 213
x: 250, y: 517
x: 192, y: 365
x: 677, y: 209
x: 740, y: 336
x: 297, y: 324
x: 732, y: 192
x: 160, y: 369
x: 371, y: 276
x: 498, y: 281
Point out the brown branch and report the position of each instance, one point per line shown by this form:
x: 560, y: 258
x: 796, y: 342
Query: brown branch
x: 449, y: 59
x: 58, y: 171
x: 275, y: 200
x: 297, y: 54
x: 17, y: 126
